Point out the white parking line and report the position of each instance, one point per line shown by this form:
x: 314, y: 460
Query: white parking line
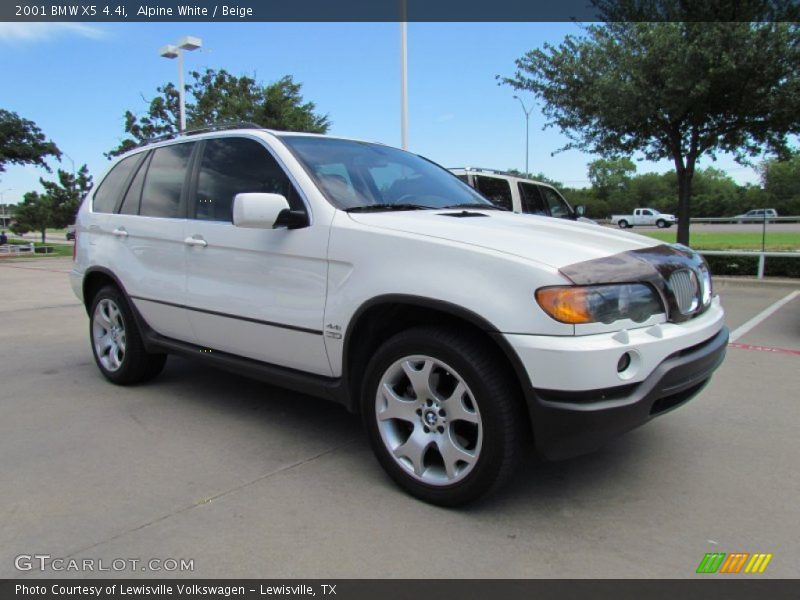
x: 762, y: 316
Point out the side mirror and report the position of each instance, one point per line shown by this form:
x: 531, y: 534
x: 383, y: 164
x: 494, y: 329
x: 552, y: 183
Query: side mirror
x: 265, y: 211
x: 580, y: 210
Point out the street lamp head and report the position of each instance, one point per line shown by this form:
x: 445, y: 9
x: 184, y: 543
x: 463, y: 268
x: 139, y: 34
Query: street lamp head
x: 189, y: 42
x: 168, y: 51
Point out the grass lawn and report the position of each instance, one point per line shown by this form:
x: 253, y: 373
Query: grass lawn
x: 705, y: 240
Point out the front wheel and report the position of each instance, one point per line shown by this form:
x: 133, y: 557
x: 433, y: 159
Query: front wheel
x: 117, y: 343
x: 661, y: 224
x: 443, y: 418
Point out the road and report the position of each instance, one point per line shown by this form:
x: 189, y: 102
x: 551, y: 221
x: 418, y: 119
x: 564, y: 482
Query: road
x: 248, y: 480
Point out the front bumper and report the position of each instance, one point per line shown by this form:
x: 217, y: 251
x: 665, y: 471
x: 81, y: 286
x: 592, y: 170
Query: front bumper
x: 569, y: 422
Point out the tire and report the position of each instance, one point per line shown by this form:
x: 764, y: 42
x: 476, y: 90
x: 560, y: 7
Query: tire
x: 456, y: 453
x: 116, y: 341
x: 623, y: 224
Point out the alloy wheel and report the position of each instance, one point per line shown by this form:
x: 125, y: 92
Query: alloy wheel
x: 428, y: 420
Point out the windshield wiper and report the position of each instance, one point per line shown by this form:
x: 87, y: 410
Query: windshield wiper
x: 476, y: 205
x: 381, y: 207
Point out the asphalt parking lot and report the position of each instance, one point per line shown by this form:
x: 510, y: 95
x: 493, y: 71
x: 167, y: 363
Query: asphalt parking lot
x: 253, y: 481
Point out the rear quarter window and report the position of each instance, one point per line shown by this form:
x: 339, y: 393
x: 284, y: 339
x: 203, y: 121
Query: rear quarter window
x: 115, y: 184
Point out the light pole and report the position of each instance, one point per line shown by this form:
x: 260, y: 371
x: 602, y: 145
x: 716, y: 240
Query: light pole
x: 527, y: 112
x: 187, y: 42
x: 3, y: 207
x: 403, y: 75
x: 72, y: 162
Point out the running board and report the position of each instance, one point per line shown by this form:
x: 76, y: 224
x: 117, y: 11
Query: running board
x: 327, y: 388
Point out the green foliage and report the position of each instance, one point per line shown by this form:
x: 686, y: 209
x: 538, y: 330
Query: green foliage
x: 610, y: 174
x: 781, y: 181
x: 215, y: 97
x: 22, y: 142
x: 672, y: 90
x: 56, y: 207
x: 747, y: 266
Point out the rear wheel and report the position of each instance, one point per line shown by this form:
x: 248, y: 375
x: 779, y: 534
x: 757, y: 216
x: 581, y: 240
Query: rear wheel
x: 443, y: 418
x: 116, y: 341
x: 623, y: 224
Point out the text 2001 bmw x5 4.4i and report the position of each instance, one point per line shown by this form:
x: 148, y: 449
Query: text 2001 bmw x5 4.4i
x: 375, y: 278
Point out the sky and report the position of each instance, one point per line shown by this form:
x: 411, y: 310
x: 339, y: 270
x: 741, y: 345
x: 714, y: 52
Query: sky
x: 75, y: 81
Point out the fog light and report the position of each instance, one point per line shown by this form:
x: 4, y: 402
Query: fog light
x: 624, y: 362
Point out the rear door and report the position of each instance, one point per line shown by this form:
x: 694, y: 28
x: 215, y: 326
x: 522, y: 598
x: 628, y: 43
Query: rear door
x: 258, y: 293
x: 149, y: 228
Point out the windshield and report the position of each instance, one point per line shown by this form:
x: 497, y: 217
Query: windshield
x: 359, y: 174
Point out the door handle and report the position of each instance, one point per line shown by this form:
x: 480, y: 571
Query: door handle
x: 120, y: 232
x: 195, y: 241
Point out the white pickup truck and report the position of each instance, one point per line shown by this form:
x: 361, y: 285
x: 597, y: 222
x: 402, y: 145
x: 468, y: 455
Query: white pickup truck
x: 644, y: 216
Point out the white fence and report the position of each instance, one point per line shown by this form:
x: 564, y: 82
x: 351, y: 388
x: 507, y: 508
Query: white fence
x: 762, y: 256
x: 17, y: 249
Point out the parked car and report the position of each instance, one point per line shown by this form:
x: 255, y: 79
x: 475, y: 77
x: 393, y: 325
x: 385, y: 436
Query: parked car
x: 374, y: 278
x: 519, y: 194
x: 70, y: 234
x: 757, y: 215
x: 644, y: 216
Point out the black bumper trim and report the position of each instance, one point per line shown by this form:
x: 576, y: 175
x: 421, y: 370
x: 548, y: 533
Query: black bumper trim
x: 564, y: 428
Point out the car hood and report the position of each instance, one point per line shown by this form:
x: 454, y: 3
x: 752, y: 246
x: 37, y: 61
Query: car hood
x: 553, y: 242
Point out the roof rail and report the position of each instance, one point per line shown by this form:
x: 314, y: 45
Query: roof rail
x: 485, y: 170
x: 199, y: 130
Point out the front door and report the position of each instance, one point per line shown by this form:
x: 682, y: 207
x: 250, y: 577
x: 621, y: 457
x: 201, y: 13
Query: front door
x: 258, y: 293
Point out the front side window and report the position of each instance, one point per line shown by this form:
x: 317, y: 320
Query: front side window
x: 113, y: 186
x: 163, y: 184
x: 233, y: 166
x: 359, y: 175
x: 495, y: 189
x: 555, y: 203
x: 532, y: 203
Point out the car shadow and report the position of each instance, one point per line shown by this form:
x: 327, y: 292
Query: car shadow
x: 538, y: 485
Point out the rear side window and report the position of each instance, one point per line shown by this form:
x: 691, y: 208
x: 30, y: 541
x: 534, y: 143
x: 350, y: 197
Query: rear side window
x: 233, y: 166
x: 496, y: 190
x: 163, y: 183
x: 531, y: 199
x: 113, y: 186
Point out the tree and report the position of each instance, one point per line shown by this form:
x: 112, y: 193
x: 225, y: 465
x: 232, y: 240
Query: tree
x: 56, y: 207
x: 781, y: 181
x: 22, y: 142
x: 672, y: 90
x: 214, y: 97
x: 609, y: 174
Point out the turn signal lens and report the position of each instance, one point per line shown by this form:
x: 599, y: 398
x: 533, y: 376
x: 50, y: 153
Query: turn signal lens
x: 565, y: 304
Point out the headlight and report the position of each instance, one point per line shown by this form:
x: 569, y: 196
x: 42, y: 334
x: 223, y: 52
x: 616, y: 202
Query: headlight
x: 600, y: 303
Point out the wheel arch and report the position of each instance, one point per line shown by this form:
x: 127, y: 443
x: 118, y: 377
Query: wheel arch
x: 94, y: 279
x: 383, y: 316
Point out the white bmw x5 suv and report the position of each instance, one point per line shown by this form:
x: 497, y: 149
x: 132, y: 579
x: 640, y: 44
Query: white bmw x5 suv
x: 377, y: 279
